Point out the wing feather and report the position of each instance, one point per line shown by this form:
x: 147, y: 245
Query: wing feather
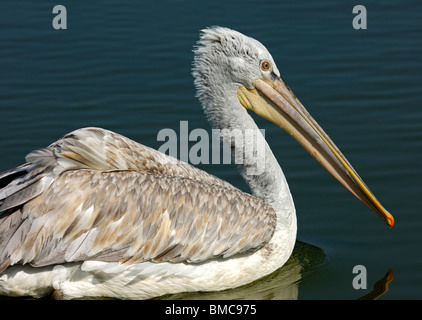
x: 165, y: 229
x: 96, y: 195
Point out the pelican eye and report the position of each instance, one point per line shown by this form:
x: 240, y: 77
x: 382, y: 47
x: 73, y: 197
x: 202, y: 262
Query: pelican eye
x: 265, y: 65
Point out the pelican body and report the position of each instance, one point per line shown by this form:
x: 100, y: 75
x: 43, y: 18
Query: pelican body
x: 96, y: 214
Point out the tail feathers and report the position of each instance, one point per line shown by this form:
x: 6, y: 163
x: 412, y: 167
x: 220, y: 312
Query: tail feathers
x: 10, y: 222
x: 22, y: 184
x: 8, y: 176
x: 18, y: 186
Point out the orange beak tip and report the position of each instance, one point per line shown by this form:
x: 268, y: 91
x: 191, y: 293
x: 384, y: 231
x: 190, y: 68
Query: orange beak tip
x: 390, y: 222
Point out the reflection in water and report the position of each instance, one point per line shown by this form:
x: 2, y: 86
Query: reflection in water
x: 380, y: 287
x: 280, y: 285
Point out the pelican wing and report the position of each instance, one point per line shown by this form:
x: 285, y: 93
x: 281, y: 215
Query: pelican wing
x: 104, y: 150
x: 93, y: 149
x: 96, y: 195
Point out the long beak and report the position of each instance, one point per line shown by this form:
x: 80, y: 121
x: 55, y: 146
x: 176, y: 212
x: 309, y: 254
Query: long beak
x: 274, y: 101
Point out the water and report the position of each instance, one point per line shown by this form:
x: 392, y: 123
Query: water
x: 125, y: 66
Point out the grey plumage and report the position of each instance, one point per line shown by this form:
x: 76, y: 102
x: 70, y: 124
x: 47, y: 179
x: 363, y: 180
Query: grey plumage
x: 107, y: 216
x: 97, y: 195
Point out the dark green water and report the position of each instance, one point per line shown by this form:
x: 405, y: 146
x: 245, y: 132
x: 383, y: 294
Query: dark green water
x: 125, y: 66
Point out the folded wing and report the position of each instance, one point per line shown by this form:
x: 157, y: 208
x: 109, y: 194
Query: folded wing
x: 96, y: 195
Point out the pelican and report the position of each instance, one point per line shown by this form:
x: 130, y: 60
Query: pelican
x: 96, y: 214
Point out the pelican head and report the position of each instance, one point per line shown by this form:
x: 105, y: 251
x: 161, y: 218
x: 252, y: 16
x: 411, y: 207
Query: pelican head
x: 235, y: 73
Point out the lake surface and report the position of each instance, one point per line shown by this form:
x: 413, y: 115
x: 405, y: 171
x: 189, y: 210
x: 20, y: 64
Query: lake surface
x: 126, y: 66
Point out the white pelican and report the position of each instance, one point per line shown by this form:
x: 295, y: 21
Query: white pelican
x: 97, y: 214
